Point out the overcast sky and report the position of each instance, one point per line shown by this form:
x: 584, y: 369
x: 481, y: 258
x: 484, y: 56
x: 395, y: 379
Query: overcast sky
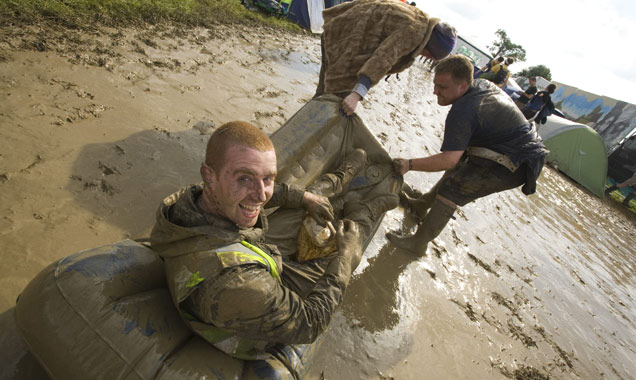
x: 587, y: 44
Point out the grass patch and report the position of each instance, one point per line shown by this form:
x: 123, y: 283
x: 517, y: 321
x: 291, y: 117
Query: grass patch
x: 85, y: 13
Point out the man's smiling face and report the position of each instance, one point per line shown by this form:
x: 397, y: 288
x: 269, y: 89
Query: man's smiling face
x: 244, y: 183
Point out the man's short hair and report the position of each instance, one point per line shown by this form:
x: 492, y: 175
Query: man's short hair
x: 458, y: 66
x: 234, y: 133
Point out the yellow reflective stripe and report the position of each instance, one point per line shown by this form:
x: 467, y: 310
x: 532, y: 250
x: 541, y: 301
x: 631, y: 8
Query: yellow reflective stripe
x: 194, y: 280
x: 187, y: 316
x: 229, y: 258
x: 237, y: 254
x: 215, y: 334
x: 264, y: 255
x: 210, y: 332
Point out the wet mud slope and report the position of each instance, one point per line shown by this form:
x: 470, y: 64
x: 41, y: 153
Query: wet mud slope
x: 97, y: 127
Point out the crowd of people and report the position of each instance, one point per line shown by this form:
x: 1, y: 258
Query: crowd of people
x: 534, y: 105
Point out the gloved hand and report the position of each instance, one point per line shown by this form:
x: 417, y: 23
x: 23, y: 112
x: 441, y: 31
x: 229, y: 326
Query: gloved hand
x: 348, y: 242
x: 318, y: 207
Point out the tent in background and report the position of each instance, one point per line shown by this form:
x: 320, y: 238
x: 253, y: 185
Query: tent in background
x: 622, y: 161
x: 578, y: 151
x: 308, y: 13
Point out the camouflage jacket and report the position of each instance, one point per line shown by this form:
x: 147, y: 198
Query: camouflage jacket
x: 372, y: 38
x: 239, y: 301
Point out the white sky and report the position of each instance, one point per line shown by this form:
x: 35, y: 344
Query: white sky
x: 589, y: 44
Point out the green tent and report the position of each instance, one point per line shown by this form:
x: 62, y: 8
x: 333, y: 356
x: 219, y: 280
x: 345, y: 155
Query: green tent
x: 578, y: 151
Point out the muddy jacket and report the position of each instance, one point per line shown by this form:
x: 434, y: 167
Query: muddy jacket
x: 230, y: 286
x: 372, y: 38
x: 486, y: 117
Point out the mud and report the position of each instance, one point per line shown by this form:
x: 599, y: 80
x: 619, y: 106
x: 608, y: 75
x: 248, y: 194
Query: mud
x: 97, y: 127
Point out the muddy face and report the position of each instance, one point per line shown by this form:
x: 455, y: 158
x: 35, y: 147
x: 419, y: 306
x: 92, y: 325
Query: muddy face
x: 243, y: 184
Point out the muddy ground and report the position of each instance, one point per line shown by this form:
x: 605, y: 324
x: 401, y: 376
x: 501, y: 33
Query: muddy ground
x: 97, y: 127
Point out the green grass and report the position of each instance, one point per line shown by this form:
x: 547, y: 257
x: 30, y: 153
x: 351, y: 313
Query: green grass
x: 85, y: 13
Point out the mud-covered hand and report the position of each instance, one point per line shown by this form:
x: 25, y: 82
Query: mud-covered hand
x: 402, y: 165
x: 348, y: 241
x: 318, y: 207
x: 350, y: 102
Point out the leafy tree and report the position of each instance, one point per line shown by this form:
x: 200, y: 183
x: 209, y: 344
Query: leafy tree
x: 536, y: 71
x: 503, y: 46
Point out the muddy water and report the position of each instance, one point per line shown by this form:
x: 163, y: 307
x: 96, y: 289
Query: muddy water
x: 514, y: 287
x: 96, y: 129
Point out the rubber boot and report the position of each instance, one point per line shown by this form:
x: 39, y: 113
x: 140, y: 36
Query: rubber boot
x: 431, y: 226
x: 332, y: 184
x: 420, y: 206
x: 366, y: 213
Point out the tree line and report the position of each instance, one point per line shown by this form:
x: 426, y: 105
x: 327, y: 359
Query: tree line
x: 503, y: 46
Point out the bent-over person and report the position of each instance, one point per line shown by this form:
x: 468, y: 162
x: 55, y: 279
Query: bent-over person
x: 365, y: 40
x: 488, y: 147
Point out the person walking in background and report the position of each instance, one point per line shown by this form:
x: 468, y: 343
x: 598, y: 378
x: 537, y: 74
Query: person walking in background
x: 365, y: 40
x: 497, y: 71
x: 525, y: 96
x: 501, y: 79
x: 540, y: 106
x: 490, y: 66
x: 488, y: 147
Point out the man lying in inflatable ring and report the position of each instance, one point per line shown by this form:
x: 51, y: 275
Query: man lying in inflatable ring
x: 232, y: 286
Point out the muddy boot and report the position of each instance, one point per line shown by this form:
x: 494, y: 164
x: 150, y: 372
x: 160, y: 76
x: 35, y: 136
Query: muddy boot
x: 416, y: 203
x: 431, y: 226
x: 367, y: 212
x: 332, y: 184
x: 420, y: 206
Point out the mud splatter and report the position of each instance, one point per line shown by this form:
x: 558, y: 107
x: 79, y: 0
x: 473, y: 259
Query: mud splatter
x: 523, y: 373
x: 467, y: 308
x: 482, y: 264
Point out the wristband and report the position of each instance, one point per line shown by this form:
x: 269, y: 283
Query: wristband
x: 411, y: 164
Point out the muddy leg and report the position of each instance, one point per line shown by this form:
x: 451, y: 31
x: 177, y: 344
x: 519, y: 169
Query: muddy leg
x: 333, y: 184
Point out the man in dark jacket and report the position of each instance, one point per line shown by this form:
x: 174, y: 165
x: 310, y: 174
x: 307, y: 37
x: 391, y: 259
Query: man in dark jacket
x: 364, y: 40
x: 540, y: 106
x: 488, y: 147
x: 525, y: 96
